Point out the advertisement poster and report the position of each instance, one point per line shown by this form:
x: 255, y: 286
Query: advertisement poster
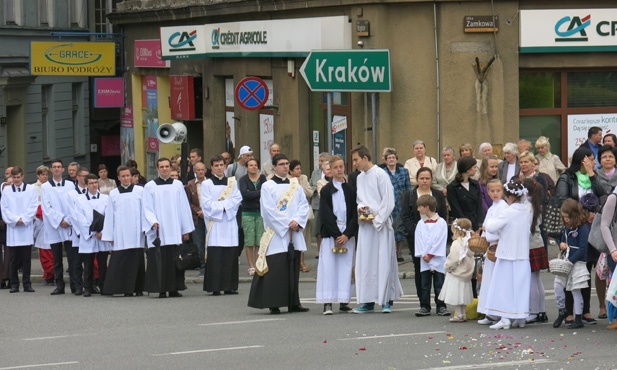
x: 339, y: 130
x: 151, y: 121
x: 109, y: 92
x: 579, y: 124
x: 127, y: 135
x: 266, y: 135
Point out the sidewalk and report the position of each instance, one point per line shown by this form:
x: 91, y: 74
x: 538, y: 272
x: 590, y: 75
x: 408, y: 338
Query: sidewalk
x: 405, y: 269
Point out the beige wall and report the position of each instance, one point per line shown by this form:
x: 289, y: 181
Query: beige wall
x: 406, y: 114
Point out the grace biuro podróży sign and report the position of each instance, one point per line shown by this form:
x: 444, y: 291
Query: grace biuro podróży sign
x: 348, y: 70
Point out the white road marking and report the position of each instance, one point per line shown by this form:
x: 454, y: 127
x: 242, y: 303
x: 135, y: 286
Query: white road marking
x: 392, y: 335
x: 240, y: 322
x: 58, y: 337
x: 205, y: 350
x: 495, y: 364
x: 39, y: 365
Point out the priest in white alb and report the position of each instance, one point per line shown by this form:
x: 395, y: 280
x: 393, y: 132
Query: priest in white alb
x: 376, y: 266
x: 19, y: 203
x: 126, y: 271
x: 285, y: 211
x: 166, y: 218
x: 220, y: 200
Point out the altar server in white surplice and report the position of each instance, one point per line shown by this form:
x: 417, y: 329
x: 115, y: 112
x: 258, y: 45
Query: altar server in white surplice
x: 57, y: 210
x: 126, y: 272
x: 285, y: 211
x: 166, y: 215
x: 337, y: 209
x: 376, y: 265
x: 91, y: 209
x: 220, y: 200
x: 19, y: 203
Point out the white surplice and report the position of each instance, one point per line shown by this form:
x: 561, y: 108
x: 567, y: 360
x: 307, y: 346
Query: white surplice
x: 376, y: 266
x: 123, y: 219
x: 19, y: 203
x: 85, y: 207
x: 334, y: 277
x: 169, y: 206
x: 431, y: 238
x: 57, y: 206
x: 39, y: 232
x: 224, y: 230
x: 297, y: 210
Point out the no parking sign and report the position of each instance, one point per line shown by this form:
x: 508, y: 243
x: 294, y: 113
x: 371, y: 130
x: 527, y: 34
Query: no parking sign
x: 251, y: 93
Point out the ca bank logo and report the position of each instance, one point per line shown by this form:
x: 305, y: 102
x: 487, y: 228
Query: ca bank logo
x: 182, y: 41
x: 216, y: 34
x: 575, y: 30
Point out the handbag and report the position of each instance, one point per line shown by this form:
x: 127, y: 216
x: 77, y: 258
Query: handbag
x: 187, y: 257
x: 561, y: 265
x: 611, y: 292
x: 602, y: 267
x: 595, y: 233
x: 552, y: 219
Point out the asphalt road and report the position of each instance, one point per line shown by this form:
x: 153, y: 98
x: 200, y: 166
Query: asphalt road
x: 203, y: 331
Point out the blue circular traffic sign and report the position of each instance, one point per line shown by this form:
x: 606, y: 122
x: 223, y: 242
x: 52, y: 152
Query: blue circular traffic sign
x: 252, y: 93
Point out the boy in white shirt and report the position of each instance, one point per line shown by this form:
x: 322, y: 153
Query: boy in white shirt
x: 431, y: 238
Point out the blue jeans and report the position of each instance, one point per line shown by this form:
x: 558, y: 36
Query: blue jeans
x: 436, y: 278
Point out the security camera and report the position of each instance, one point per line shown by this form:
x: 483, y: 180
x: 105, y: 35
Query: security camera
x: 361, y: 43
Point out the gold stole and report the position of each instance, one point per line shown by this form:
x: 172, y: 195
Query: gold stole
x: 261, y: 266
x: 231, y: 181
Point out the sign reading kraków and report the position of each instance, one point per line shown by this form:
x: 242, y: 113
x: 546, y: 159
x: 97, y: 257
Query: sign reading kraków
x: 568, y: 30
x: 183, y: 42
x: 348, y: 70
x: 72, y: 58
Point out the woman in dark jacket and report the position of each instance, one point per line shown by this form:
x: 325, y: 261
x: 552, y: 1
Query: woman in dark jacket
x: 252, y: 223
x: 464, y: 194
x: 579, y: 179
x: 409, y: 216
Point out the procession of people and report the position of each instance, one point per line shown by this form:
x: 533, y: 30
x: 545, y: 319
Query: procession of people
x: 124, y: 238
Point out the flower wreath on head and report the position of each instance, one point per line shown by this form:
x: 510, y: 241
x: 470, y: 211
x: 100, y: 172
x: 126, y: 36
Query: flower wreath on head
x: 515, y: 191
x: 465, y: 239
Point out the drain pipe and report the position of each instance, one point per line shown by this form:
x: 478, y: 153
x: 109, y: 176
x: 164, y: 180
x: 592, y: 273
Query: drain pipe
x: 438, y: 85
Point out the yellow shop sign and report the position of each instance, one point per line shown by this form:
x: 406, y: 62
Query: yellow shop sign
x: 73, y: 58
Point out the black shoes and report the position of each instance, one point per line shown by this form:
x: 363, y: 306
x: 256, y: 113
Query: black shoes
x: 128, y: 294
x: 344, y: 307
x: 174, y: 295
x: 275, y: 311
x: 230, y: 292
x: 49, y: 282
x: 298, y: 308
x: 163, y: 295
x: 578, y: 322
x: 14, y: 290
x: 216, y: 293
x: 87, y: 293
x: 563, y: 313
x: 79, y: 291
x: 96, y: 290
x: 28, y: 289
x: 139, y: 294
x: 58, y: 291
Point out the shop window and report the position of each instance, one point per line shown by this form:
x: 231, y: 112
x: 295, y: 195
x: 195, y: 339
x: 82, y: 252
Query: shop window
x: 592, y: 89
x: 539, y: 90
x: 532, y: 127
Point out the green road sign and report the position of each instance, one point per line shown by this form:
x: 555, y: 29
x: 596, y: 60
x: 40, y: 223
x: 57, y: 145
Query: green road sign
x: 348, y: 70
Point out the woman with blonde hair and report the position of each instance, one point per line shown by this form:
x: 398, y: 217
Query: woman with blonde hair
x: 419, y: 160
x: 549, y: 163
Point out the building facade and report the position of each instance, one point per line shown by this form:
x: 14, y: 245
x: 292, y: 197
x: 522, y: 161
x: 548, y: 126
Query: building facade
x: 460, y: 73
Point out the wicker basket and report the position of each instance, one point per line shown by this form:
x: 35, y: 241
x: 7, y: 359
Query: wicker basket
x: 478, y: 244
x: 561, y: 266
x: 490, y: 253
